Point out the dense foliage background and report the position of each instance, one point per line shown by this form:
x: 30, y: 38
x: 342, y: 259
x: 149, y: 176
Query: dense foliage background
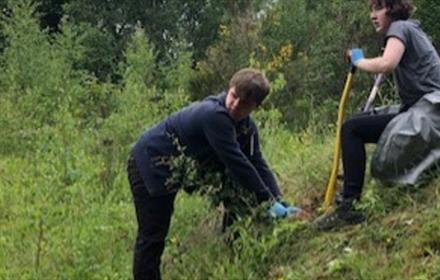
x: 80, y: 80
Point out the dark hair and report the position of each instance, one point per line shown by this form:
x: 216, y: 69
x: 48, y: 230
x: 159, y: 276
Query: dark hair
x: 250, y: 83
x: 397, y: 9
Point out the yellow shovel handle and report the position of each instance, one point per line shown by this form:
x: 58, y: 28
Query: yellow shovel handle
x: 331, y: 186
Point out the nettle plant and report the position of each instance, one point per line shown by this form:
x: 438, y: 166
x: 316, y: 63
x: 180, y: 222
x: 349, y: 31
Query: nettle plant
x: 212, y: 181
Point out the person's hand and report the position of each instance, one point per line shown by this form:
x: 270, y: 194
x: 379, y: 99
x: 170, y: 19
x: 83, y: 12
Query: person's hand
x: 277, y: 210
x: 282, y: 210
x: 291, y: 210
x: 354, y: 56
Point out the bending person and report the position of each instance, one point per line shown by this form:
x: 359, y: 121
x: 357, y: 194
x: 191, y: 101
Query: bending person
x: 217, y: 130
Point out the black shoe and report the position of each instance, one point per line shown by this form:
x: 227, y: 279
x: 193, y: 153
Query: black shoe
x: 344, y: 215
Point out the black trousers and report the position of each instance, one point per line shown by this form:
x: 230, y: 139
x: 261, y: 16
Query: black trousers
x: 356, y: 132
x: 153, y: 215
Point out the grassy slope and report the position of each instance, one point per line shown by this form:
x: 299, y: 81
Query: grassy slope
x: 400, y: 240
x: 59, y: 222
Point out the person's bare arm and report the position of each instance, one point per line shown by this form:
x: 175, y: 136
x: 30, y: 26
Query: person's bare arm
x: 392, y: 55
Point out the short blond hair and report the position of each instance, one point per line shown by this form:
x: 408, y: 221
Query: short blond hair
x: 250, y: 83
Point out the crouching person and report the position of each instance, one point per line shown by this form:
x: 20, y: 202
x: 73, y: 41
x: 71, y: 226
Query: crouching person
x: 218, y: 130
x: 415, y: 64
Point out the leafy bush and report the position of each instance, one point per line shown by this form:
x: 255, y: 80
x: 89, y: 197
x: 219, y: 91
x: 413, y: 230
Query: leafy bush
x: 65, y: 205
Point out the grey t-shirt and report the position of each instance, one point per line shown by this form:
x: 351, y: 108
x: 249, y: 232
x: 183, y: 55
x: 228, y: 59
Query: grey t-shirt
x: 418, y: 72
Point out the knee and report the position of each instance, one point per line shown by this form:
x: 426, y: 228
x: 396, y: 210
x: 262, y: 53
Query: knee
x: 348, y: 128
x: 149, y: 243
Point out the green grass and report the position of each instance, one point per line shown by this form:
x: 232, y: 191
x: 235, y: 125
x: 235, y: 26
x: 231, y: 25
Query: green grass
x: 62, y: 218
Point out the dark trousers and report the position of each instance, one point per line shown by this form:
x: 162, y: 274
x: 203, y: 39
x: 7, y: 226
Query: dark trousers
x: 356, y: 132
x: 153, y: 215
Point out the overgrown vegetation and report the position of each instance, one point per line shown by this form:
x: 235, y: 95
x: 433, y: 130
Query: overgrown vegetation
x: 78, y: 86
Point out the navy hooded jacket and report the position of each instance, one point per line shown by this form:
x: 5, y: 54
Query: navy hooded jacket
x: 209, y: 135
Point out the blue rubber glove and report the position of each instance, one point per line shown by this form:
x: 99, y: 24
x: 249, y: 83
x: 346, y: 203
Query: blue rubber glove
x: 356, y: 56
x: 282, y: 209
x: 277, y: 210
x: 291, y: 210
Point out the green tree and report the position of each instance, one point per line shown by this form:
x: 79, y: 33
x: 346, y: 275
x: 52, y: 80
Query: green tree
x: 428, y: 12
x: 171, y: 26
x: 239, y: 40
